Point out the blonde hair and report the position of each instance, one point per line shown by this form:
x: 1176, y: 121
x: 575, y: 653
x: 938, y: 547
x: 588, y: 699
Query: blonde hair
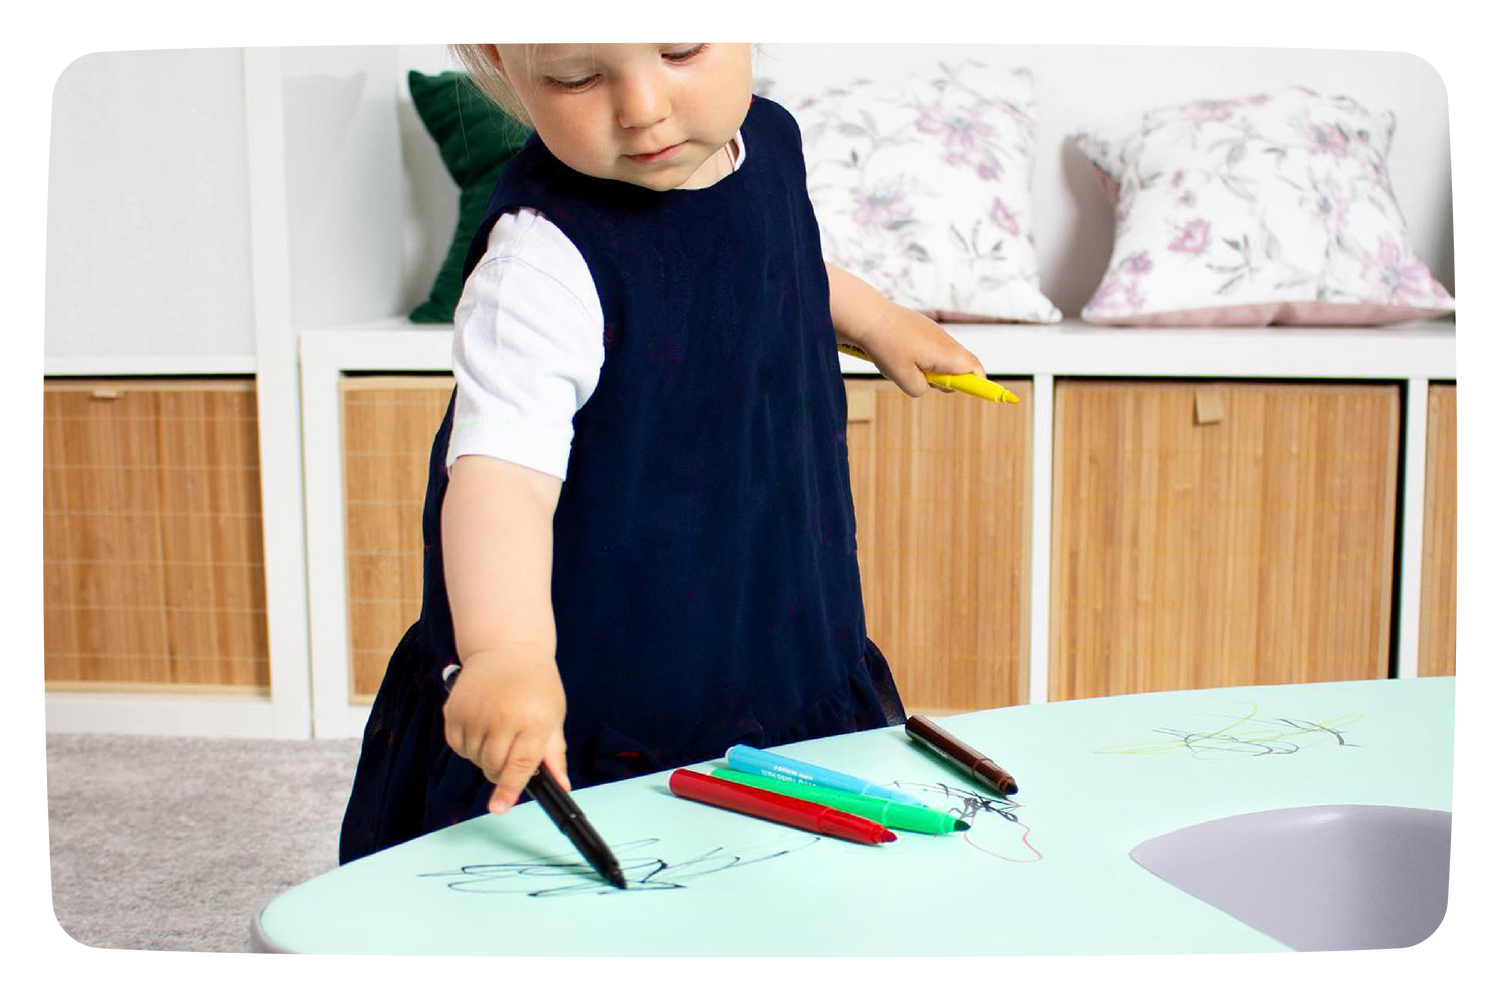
x: 478, y: 60
x: 489, y: 83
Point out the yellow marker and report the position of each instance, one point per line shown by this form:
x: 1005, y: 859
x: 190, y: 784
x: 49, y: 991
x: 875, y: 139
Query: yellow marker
x: 974, y: 385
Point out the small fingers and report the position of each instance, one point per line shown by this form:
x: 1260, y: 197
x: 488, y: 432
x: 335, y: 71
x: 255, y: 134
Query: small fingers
x: 521, y: 762
x: 912, y: 381
x: 556, y: 760
x: 490, y: 759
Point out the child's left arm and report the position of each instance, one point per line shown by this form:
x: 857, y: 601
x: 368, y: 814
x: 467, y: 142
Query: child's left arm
x: 905, y: 345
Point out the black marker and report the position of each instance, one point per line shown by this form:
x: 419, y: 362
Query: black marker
x: 564, y: 813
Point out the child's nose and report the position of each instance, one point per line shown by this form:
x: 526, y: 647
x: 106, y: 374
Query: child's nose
x: 641, y: 102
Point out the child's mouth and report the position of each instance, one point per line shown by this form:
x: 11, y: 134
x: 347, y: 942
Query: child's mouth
x: 660, y: 155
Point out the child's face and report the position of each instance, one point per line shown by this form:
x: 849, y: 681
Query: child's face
x: 597, y: 107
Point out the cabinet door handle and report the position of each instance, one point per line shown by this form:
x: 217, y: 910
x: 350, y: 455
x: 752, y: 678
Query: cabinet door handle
x: 1208, y: 405
x: 861, y: 403
x: 107, y: 394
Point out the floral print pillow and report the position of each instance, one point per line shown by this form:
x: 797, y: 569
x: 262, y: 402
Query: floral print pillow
x: 922, y: 186
x: 1275, y: 208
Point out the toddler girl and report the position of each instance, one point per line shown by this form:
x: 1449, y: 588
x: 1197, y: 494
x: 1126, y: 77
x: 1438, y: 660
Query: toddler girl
x: 639, y: 532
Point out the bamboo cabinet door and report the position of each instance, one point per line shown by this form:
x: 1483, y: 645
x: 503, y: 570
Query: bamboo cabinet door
x: 942, y: 492
x: 388, y: 426
x: 1210, y: 534
x: 1437, y: 650
x: 153, y: 566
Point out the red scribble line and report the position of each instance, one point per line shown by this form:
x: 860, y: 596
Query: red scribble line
x: 1025, y: 839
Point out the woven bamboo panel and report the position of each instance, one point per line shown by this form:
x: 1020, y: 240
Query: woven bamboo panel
x: 942, y: 493
x: 1437, y: 648
x: 1254, y: 549
x: 388, y: 426
x: 153, y: 570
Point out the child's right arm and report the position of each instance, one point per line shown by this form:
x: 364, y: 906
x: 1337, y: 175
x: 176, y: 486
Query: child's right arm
x: 505, y: 712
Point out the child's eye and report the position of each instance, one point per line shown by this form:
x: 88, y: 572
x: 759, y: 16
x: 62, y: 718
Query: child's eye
x: 585, y: 81
x: 570, y: 84
x: 689, y: 53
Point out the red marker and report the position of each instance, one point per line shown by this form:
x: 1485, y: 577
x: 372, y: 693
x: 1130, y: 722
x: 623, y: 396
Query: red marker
x: 778, y: 808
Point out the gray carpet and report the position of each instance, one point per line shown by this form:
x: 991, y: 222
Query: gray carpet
x: 174, y: 843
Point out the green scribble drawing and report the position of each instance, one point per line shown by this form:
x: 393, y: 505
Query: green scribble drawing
x: 1244, y: 735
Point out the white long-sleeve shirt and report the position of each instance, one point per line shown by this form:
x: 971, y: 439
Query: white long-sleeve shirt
x: 528, y: 344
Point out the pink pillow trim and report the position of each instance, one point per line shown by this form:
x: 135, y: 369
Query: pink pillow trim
x: 1278, y: 314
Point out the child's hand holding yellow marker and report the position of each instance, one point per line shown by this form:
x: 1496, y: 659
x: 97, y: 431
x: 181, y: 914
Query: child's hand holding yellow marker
x: 967, y: 382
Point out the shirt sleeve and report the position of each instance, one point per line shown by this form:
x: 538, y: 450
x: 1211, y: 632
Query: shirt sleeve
x: 528, y: 343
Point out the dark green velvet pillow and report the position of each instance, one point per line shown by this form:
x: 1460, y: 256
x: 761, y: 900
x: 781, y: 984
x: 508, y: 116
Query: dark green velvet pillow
x: 475, y: 139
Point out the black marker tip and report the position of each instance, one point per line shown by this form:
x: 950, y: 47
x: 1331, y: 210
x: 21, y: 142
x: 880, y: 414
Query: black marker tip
x: 616, y: 878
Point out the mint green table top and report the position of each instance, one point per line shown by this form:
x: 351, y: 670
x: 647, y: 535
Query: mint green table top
x: 1045, y: 873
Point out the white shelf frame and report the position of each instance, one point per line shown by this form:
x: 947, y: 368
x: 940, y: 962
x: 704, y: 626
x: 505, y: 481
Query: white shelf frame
x: 286, y: 713
x: 1411, y: 355
x: 297, y: 371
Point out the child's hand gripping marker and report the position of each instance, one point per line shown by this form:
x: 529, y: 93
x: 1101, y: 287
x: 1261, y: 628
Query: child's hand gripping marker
x: 966, y: 382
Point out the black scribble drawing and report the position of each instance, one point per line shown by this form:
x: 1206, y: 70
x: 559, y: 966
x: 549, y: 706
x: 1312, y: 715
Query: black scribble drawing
x: 568, y: 875
x: 984, y: 814
x: 1245, y: 735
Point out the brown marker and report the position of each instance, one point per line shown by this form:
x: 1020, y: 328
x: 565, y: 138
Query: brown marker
x: 960, y: 754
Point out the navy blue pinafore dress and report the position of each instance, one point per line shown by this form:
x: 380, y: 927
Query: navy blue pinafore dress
x: 704, y: 580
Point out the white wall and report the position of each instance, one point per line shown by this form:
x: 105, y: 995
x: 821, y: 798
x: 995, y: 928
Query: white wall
x: 147, y: 247
x: 343, y: 174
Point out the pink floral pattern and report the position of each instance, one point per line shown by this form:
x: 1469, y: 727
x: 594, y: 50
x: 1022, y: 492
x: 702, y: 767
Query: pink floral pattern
x: 1191, y: 238
x: 882, y: 205
x: 921, y: 183
x: 1402, y: 278
x: 1277, y: 200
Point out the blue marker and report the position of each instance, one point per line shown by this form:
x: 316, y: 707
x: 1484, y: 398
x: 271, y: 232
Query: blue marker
x: 753, y: 761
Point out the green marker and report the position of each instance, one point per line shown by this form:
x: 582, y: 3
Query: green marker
x: 887, y: 812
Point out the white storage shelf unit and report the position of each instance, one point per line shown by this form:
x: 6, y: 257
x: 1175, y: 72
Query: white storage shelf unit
x: 351, y: 211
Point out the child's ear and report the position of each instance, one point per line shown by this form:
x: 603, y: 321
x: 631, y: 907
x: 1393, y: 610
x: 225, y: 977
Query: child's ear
x: 491, y: 54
